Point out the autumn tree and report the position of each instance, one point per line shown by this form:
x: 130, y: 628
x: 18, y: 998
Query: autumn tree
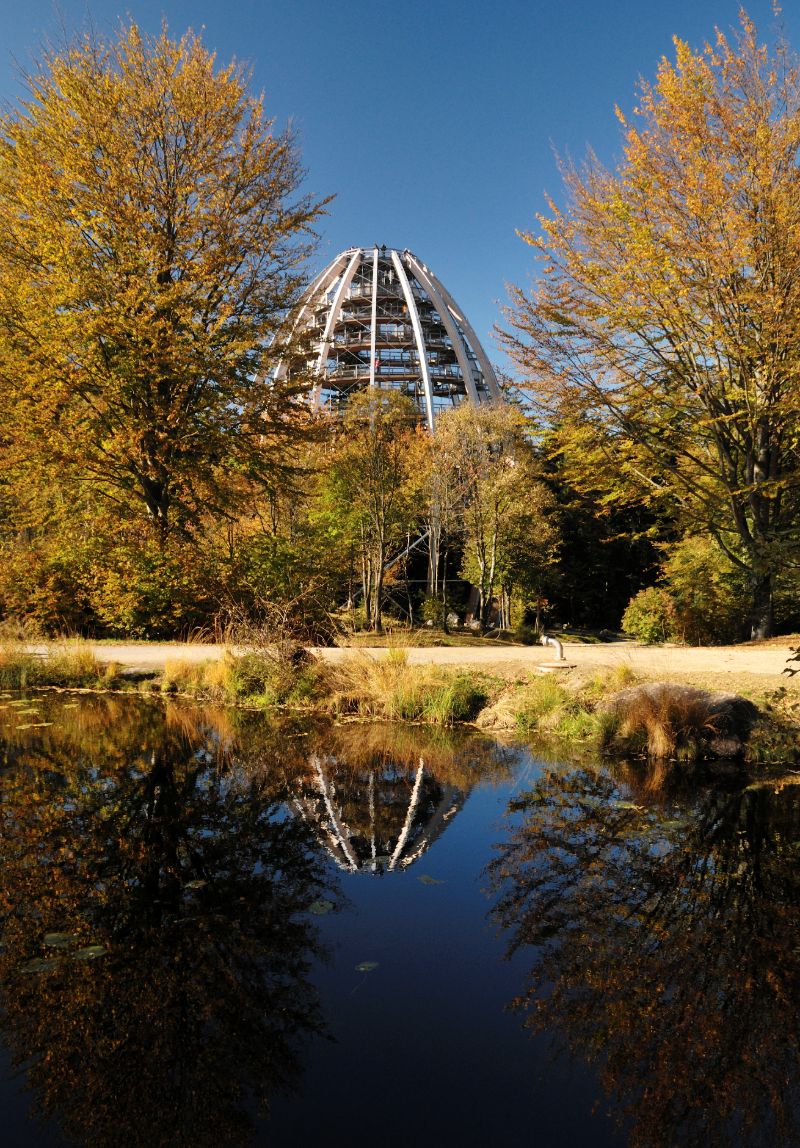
x: 497, y: 502
x: 372, y: 486
x: 151, y: 239
x: 666, y: 320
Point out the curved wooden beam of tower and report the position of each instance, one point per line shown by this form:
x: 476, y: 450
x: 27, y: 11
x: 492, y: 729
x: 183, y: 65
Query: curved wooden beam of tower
x: 377, y: 316
x: 336, y: 306
x: 417, y: 328
x: 458, y: 343
x: 486, y: 367
x: 319, y: 284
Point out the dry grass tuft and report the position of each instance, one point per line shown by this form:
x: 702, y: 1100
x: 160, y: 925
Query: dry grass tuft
x: 390, y: 689
x: 68, y: 664
x: 669, y: 720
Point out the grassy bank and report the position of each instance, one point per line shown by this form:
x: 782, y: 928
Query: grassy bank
x: 570, y: 712
x: 618, y: 712
x: 68, y: 665
x: 388, y: 689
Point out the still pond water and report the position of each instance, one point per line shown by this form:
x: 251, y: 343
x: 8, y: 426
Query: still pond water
x: 218, y: 931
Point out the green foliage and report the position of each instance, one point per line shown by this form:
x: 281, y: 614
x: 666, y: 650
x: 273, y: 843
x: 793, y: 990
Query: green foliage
x: 499, y: 506
x: 701, y: 598
x: 370, y: 487
x: 650, y: 616
x: 258, y: 677
x: 432, y: 610
x: 670, y: 337
x: 540, y: 698
x: 550, y: 708
x: 708, y: 594
x: 542, y: 704
x: 609, y: 531
x: 459, y: 698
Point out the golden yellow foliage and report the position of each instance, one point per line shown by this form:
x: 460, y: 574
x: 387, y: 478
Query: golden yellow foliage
x: 666, y: 323
x: 150, y: 243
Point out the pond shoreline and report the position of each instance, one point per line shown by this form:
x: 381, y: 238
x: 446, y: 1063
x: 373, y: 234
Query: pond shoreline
x: 564, y: 711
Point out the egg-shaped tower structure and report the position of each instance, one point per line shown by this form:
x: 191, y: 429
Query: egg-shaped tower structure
x: 378, y: 317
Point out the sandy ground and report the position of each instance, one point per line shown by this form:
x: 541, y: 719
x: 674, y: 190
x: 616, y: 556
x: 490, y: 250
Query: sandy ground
x: 718, y: 667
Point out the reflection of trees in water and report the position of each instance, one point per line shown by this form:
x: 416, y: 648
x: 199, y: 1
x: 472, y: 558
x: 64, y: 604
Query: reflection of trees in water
x: 377, y: 799
x: 666, y: 949
x: 196, y: 884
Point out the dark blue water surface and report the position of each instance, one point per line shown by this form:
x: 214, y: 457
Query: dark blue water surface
x: 220, y: 931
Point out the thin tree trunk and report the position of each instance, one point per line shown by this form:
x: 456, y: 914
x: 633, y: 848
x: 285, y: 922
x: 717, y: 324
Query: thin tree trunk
x: 377, y: 593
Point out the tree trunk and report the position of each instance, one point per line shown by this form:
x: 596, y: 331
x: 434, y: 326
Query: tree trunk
x: 762, y: 614
x: 377, y: 588
x: 434, y: 542
x: 489, y: 580
x: 377, y: 619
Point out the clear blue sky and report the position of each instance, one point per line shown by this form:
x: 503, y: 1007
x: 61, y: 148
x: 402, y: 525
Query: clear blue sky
x: 434, y: 122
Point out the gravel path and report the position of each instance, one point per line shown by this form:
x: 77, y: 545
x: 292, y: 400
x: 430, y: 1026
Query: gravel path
x: 768, y: 660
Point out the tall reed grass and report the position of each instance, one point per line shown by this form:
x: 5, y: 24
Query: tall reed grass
x: 391, y: 689
x: 68, y: 664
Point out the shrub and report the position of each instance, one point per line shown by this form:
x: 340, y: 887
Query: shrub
x: 432, y: 611
x: 18, y: 668
x: 257, y: 677
x: 709, y: 597
x: 42, y: 586
x: 650, y: 616
x: 526, y: 635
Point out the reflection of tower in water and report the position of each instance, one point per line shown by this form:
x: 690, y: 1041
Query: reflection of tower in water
x: 379, y: 818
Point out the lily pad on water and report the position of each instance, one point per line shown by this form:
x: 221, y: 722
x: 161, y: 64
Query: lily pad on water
x: 39, y: 724
x: 198, y: 884
x: 366, y: 966
x: 424, y: 879
x: 72, y: 706
x: 320, y: 908
x: 90, y: 952
x: 27, y: 713
x: 40, y: 965
x: 59, y: 940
